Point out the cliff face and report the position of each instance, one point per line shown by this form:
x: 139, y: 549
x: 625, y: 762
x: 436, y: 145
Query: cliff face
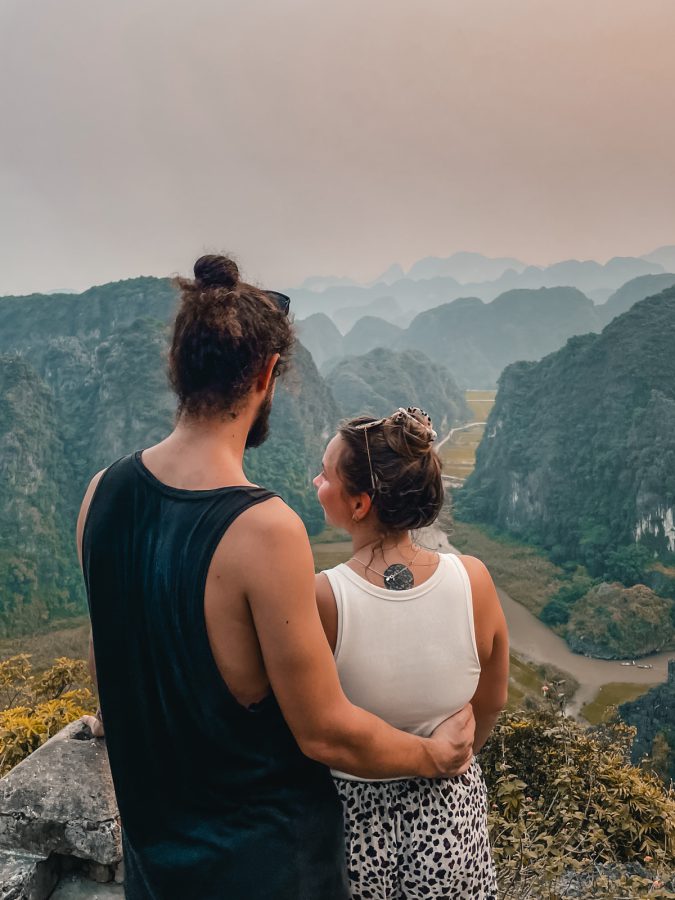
x: 579, y: 450
x: 89, y: 385
x: 38, y: 573
x: 653, y: 715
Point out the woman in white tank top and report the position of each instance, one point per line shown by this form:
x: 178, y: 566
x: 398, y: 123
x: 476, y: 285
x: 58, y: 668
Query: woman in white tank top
x: 416, y: 635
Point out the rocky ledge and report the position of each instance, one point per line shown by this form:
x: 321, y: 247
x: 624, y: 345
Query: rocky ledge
x: 60, y: 834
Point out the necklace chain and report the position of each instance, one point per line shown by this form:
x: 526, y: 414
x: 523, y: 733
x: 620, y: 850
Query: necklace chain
x: 382, y: 575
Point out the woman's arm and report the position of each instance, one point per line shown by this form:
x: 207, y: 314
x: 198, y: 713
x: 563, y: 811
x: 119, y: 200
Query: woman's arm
x: 492, y: 642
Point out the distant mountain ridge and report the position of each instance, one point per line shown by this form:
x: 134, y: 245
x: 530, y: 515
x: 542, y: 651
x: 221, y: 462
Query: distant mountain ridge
x: 476, y: 340
x: 434, y: 280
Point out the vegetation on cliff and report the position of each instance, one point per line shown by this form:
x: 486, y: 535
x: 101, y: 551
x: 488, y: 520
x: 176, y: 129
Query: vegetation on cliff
x: 382, y: 380
x: 38, y: 570
x: 614, y: 622
x: 653, y: 715
x: 570, y: 816
x: 579, y: 451
x: 88, y: 385
x: 34, y: 706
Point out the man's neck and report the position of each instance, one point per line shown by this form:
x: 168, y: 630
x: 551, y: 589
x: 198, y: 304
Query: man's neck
x: 200, y: 453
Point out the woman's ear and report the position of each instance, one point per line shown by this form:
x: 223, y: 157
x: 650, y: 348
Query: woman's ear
x: 361, y: 506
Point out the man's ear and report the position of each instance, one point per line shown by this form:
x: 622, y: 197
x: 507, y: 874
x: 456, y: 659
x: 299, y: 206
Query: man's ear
x: 267, y: 373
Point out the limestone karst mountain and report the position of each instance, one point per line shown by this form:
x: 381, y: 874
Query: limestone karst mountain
x: 382, y: 380
x: 391, y: 274
x: 321, y: 337
x: 476, y: 340
x: 663, y: 256
x: 88, y: 385
x: 579, y: 451
x: 631, y: 293
x: 368, y: 333
x: 435, y: 281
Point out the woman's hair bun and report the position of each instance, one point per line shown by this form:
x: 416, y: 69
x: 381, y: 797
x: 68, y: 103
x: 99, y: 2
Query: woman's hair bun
x: 216, y: 271
x: 409, y: 432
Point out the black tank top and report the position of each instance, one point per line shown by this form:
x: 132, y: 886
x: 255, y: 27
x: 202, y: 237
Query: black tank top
x: 216, y: 800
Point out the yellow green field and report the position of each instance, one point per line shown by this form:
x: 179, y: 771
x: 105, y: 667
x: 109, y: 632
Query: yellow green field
x: 526, y: 680
x: 611, y: 695
x: 69, y: 638
x: 480, y: 403
x: 459, y: 453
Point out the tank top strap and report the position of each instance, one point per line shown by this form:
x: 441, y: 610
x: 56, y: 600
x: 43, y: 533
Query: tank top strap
x: 468, y: 596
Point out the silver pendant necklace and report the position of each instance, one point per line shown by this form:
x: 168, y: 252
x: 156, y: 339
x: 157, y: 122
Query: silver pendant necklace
x: 397, y: 576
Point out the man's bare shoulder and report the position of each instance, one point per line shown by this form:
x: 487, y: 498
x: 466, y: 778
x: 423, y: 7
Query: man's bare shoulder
x: 268, y: 528
x: 266, y: 542
x: 273, y: 518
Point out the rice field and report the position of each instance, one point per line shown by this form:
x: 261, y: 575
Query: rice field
x: 459, y: 452
x: 480, y: 403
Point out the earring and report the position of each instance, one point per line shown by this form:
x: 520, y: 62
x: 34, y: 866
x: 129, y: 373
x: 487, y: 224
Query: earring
x: 355, y: 518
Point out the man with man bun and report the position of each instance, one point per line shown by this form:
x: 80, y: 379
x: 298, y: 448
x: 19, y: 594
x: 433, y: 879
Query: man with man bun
x: 218, y: 689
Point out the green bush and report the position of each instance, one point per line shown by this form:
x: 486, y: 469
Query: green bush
x: 564, y: 804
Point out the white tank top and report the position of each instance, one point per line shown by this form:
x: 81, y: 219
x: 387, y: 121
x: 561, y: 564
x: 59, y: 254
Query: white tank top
x: 409, y: 657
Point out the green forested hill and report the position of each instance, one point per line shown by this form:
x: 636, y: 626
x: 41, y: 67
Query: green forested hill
x: 476, y: 340
x: 579, y: 451
x: 38, y: 570
x: 26, y: 323
x: 87, y: 386
x: 382, y: 380
x: 632, y: 292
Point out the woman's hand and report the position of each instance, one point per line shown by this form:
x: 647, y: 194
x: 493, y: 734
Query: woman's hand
x: 452, y: 743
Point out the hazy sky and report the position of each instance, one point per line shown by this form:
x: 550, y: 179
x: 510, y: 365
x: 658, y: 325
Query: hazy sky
x: 311, y: 137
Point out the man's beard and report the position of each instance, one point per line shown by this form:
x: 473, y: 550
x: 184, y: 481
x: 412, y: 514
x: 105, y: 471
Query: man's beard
x: 261, y: 426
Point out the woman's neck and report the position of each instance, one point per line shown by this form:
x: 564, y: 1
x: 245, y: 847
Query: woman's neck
x: 374, y: 539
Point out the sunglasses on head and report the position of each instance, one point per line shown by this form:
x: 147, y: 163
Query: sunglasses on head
x: 281, y: 300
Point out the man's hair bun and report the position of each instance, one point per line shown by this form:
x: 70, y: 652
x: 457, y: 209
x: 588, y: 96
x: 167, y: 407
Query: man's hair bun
x: 216, y: 271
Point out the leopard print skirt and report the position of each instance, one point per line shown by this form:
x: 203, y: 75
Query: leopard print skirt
x: 418, y: 838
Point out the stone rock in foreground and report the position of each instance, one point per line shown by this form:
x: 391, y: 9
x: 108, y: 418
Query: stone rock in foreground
x: 75, y: 887
x: 26, y: 877
x: 60, y: 800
